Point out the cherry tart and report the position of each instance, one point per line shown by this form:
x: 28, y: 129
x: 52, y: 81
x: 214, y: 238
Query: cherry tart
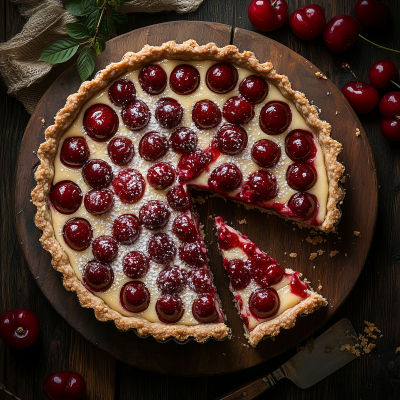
x: 112, y: 187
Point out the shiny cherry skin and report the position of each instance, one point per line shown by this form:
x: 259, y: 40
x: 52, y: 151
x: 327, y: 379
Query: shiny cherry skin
x: 193, y: 254
x: 204, y: 309
x: 161, y: 248
x: 266, y: 274
x: 238, y: 110
x: 184, y: 79
x: 152, y: 146
x: 390, y: 128
x: 126, y: 229
x: 298, y: 287
x: 268, y: 15
x: 231, y: 139
x: 99, y: 201
x: 221, y: 78
x: 389, y: 106
x: 275, y: 117
x: 129, y: 185
x: 135, y: 296
x: 264, y: 303
x: 154, y: 214
x: 301, y: 176
x: 169, y: 112
x: 190, y: 166
x: 66, y: 197
x: 135, y: 115
x: 100, y: 122
x: 161, y: 175
x: 200, y: 281
x: 135, y: 265
x: 105, y: 248
x: 239, y: 274
x: 78, y: 233
x: 153, y: 79
x: 303, y: 205
x: 254, y: 89
x: 263, y: 184
x: 227, y: 239
x: 184, y: 228
x: 183, y: 141
x: 64, y: 385
x: 172, y: 280
x: 121, y: 150
x: 341, y: 33
x: 372, y: 13
x: 299, y: 145
x: 178, y: 198
x: 225, y: 178
x: 206, y: 114
x: 19, y: 328
x: 74, y: 152
x: 98, y: 276
x: 382, y: 73
x: 97, y: 174
x: 308, y: 22
x: 361, y: 96
x: 169, y: 308
x: 121, y: 92
x: 265, y: 153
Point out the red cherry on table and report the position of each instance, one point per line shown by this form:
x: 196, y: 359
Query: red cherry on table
x: 389, y: 106
x: 382, y: 73
x: 64, y: 386
x: 390, y: 128
x: 19, y: 328
x: 268, y: 15
x: 308, y: 22
x: 361, y: 96
x: 371, y: 13
x: 340, y: 33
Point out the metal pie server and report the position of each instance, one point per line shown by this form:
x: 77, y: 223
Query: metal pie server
x: 306, y: 368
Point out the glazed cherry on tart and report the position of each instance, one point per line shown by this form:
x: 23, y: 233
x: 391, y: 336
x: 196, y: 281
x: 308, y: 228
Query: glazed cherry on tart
x: 172, y: 280
x: 64, y: 385
x: 264, y: 303
x: 204, y: 309
x: 193, y: 254
x: 74, y: 152
x: 122, y: 91
x: 135, y: 296
x: 341, y: 33
x: 169, y: 308
x: 178, y: 199
x: 297, y: 286
x: 301, y: 176
x: 129, y: 185
x: 221, y: 78
x: 184, y: 228
x: 266, y: 274
x: 372, y: 13
x: 382, y: 73
x: 254, y: 89
x: 135, y: 265
x: 239, y: 274
x: 153, y: 79
x: 299, y: 145
x: 105, y: 248
x: 97, y: 174
x: 263, y: 184
x: 227, y: 239
x: 230, y: 139
x: 126, y: 229
x: 238, y: 110
x: 161, y: 175
x: 100, y: 122
x: 98, y: 276
x: 275, y: 117
x: 184, y: 79
x: 190, y: 166
x: 183, y: 141
x: 303, y: 205
x: 161, y: 248
x: 121, y: 150
x: 154, y: 214
x: 169, y: 112
x: 66, y: 197
x: 200, y: 281
x: 152, y: 146
x: 77, y: 233
x: 99, y: 201
x: 206, y: 114
x: 265, y: 153
x: 136, y: 115
x: 225, y: 178
x: 308, y: 22
x: 268, y: 15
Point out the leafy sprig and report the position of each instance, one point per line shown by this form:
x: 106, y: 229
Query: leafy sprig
x: 96, y: 21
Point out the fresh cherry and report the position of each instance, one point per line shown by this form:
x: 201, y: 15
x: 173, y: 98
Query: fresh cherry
x: 263, y: 184
x: 382, y: 74
x: 266, y: 274
x: 126, y: 229
x: 264, y: 303
x: 301, y: 176
x: 200, y: 281
x: 204, y: 309
x: 303, y: 205
x: 390, y: 128
x: 122, y: 91
x: 129, y: 185
x: 121, y: 150
x: 169, y: 308
x: 135, y: 265
x: 99, y: 201
x: 184, y: 79
x: 136, y: 115
x: 238, y: 110
x: 265, y: 153
x: 361, y: 96
x: 161, y: 248
x: 239, y: 274
x: 372, y: 13
x: 341, y: 33
x: 105, y: 248
x: 225, y: 178
x: 193, y: 254
x: 184, y: 228
x: 74, y: 152
x: 231, y: 139
x: 66, y: 197
x: 178, y: 198
x: 206, y: 114
x: 254, y: 89
x: 221, y: 78
x: 275, y: 117
x: 97, y: 174
x: 98, y: 276
x: 190, y: 166
x: 64, y: 385
x: 19, y: 328
x: 308, y: 22
x: 100, y: 122
x: 161, y: 175
x: 135, y: 296
x: 152, y: 146
x: 172, y: 280
x: 227, y: 239
x: 169, y: 112
x: 78, y: 233
x: 268, y: 15
x: 299, y: 145
x: 154, y: 214
x: 153, y: 79
x: 183, y: 141
x: 389, y: 106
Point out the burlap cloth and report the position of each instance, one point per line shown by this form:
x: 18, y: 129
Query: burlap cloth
x: 27, y: 78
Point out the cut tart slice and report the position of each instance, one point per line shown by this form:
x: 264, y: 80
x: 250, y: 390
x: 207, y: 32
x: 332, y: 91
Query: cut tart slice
x: 268, y: 297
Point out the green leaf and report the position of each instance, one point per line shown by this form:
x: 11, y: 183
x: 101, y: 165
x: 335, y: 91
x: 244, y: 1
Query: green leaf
x: 78, y: 31
x: 119, y: 18
x: 100, y: 45
x: 92, y: 21
x: 59, y: 51
x: 85, y: 63
x: 80, y: 7
x: 107, y: 27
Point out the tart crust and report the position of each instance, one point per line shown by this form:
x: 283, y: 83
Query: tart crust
x: 189, y: 50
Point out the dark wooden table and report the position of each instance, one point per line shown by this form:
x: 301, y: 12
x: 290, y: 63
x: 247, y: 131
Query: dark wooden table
x: 375, y: 297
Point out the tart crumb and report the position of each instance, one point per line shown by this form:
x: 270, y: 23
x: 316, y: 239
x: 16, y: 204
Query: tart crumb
x: 293, y: 255
x: 319, y: 288
x: 315, y: 240
x: 309, y: 346
x: 320, y: 75
x: 358, y: 133
x: 320, y: 252
x: 242, y: 221
x: 313, y: 256
x: 333, y: 253
x: 350, y: 349
x: 343, y: 179
x: 328, y: 349
x: 397, y: 350
x: 357, y: 233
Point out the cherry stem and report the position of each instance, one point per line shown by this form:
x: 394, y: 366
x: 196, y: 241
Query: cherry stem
x: 20, y: 330
x: 396, y: 84
x: 3, y: 389
x: 378, y: 45
x: 346, y: 65
x: 273, y: 4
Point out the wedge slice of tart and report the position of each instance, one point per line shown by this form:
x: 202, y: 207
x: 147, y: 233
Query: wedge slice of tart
x: 268, y: 297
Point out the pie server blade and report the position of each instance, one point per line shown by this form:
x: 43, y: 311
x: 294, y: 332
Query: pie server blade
x: 307, y: 367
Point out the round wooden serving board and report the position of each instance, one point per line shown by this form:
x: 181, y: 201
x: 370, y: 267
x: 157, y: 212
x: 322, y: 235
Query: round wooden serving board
x: 337, y: 274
